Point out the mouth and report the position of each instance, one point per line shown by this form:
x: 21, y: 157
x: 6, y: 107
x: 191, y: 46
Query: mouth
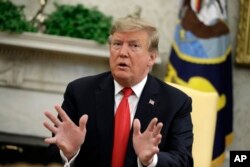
x: 122, y: 65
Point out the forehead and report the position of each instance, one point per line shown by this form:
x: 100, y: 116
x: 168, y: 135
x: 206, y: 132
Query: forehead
x: 139, y: 36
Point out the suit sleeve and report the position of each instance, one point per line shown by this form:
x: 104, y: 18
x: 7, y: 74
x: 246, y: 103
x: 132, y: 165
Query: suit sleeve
x: 177, y: 150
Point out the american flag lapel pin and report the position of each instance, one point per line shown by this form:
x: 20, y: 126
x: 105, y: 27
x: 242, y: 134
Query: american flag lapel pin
x: 152, y: 102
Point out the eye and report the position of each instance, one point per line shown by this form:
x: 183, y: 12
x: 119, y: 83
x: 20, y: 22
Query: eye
x: 116, y: 45
x: 135, y: 45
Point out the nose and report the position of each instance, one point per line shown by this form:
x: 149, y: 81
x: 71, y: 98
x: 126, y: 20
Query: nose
x: 124, y: 51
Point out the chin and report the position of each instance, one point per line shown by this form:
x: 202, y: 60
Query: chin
x: 122, y: 78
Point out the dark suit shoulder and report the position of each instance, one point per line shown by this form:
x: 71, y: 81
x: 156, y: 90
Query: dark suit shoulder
x: 80, y: 94
x: 90, y: 82
x: 90, y: 79
x: 84, y: 88
x: 176, y: 91
x: 168, y: 90
x: 168, y: 96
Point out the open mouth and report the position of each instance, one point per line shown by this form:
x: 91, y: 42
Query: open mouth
x: 122, y: 65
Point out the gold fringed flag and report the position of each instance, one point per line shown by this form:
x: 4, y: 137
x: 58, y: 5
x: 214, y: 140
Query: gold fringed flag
x: 201, y: 59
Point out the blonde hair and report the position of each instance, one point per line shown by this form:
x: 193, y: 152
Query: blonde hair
x: 127, y: 24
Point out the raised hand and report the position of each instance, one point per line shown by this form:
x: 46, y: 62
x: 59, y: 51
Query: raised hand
x: 67, y: 136
x: 146, y: 143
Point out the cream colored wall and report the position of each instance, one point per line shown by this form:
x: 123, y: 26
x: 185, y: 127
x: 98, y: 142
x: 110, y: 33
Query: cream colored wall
x: 163, y: 13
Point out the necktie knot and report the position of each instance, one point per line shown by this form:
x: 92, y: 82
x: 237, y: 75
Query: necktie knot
x: 127, y: 92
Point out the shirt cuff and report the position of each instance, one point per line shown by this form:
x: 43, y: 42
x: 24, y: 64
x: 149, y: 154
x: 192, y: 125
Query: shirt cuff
x: 68, y: 163
x: 153, y: 163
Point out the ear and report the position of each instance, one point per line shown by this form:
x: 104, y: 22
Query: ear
x: 152, y: 58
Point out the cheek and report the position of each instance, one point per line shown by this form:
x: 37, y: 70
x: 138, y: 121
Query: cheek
x: 112, y: 61
x: 142, y: 61
x: 113, y: 54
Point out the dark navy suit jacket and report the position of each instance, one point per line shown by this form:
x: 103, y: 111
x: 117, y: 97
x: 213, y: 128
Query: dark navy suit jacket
x: 94, y: 96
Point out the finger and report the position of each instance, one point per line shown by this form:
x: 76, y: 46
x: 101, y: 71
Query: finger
x: 62, y: 113
x: 156, y: 149
x: 83, y: 122
x: 50, y: 127
x: 53, y: 119
x: 157, y: 139
x: 137, y: 127
x: 157, y: 129
x: 152, y: 124
x: 50, y: 140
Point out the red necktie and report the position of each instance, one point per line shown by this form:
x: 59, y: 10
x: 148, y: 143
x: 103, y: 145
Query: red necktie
x: 122, y: 128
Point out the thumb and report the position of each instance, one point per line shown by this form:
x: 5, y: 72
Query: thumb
x: 137, y: 127
x: 83, y: 121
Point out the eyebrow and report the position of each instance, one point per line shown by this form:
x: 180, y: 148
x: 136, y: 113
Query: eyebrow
x: 132, y: 40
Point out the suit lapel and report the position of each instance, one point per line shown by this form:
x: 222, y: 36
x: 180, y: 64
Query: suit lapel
x: 105, y: 119
x: 146, y: 110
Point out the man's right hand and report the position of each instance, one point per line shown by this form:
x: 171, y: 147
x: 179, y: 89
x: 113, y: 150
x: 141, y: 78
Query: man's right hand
x: 67, y: 136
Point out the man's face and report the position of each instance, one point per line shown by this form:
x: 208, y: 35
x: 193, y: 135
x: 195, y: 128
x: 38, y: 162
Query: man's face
x: 130, y: 59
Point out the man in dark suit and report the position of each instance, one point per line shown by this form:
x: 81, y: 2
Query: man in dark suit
x: 160, y: 121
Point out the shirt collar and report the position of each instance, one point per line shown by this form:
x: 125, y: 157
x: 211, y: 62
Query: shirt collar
x: 137, y: 89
